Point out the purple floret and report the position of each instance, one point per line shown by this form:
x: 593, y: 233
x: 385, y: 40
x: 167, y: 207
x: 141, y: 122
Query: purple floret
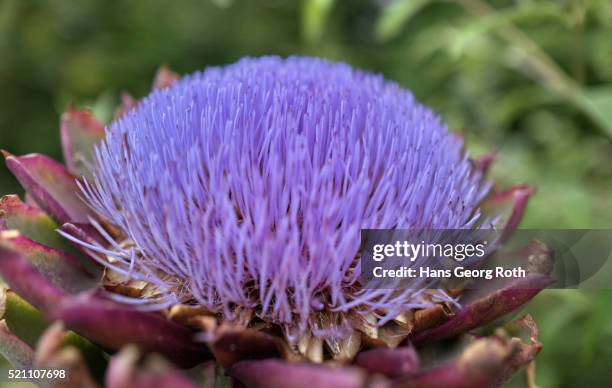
x: 247, y: 186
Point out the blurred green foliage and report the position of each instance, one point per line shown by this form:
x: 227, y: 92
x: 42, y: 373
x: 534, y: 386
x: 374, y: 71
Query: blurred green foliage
x: 529, y: 79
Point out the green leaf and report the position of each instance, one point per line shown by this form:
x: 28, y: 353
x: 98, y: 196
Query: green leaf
x: 598, y: 102
x: 314, y: 16
x: 395, y: 16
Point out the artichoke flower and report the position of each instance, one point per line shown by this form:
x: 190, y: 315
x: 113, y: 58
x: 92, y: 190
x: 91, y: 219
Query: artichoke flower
x: 214, y: 225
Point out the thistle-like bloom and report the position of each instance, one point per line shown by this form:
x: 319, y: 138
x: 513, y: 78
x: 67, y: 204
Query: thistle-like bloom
x: 231, y: 201
x: 247, y: 186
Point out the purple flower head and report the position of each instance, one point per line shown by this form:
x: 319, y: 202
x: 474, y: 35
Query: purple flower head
x: 244, y: 188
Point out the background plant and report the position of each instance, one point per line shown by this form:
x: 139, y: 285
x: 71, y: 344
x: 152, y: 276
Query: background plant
x: 531, y: 78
